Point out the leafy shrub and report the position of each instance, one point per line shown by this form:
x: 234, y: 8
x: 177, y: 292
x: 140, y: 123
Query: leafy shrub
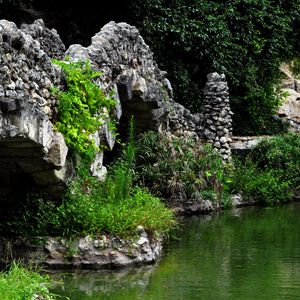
x: 267, y: 187
x: 270, y: 172
x: 82, y: 108
x: 259, y: 115
x: 21, y: 283
x: 281, y: 152
x: 180, y: 169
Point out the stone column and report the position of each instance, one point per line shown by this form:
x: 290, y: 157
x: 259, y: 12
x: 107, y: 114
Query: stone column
x: 217, y: 122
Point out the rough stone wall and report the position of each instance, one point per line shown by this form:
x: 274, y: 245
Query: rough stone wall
x: 26, y: 72
x: 217, y: 114
x: 128, y: 68
x: 127, y: 64
x: 49, y: 40
x: 183, y: 123
x: 31, y: 152
x: 290, y: 108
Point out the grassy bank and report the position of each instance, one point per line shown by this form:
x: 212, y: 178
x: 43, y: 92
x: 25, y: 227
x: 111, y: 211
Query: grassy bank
x: 20, y: 283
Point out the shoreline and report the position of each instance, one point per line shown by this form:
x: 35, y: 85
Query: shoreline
x: 104, y: 251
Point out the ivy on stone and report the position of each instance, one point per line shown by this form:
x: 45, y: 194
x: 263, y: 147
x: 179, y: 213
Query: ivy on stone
x: 83, y: 107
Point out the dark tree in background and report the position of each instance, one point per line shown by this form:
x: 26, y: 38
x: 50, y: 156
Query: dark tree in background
x: 75, y: 21
x: 245, y: 39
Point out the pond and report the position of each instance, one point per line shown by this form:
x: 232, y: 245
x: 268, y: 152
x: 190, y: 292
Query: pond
x: 249, y: 253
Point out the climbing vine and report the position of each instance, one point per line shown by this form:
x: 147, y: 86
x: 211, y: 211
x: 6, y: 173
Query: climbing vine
x: 83, y: 107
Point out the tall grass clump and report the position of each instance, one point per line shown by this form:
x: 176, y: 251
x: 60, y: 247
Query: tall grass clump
x: 115, y: 206
x: 20, y: 283
x: 181, y: 169
x: 270, y: 172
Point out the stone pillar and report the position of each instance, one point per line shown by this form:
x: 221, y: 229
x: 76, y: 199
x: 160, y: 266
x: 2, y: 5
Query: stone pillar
x: 217, y: 122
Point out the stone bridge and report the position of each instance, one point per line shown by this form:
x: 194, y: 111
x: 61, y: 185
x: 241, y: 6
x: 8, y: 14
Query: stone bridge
x: 32, y: 153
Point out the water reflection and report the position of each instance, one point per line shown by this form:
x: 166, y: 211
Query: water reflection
x: 101, y: 284
x: 251, y: 253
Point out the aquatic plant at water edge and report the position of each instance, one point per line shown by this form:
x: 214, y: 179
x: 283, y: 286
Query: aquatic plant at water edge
x: 181, y: 169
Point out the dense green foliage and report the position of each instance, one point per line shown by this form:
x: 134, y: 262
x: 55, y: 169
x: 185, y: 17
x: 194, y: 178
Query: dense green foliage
x: 270, y: 172
x: 245, y: 39
x: 83, y: 107
x: 20, y: 283
x: 180, y: 169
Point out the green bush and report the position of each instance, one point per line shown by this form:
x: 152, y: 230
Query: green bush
x: 259, y: 114
x: 268, y: 186
x: 180, y: 169
x: 21, y: 283
x: 270, y: 172
x: 82, y: 107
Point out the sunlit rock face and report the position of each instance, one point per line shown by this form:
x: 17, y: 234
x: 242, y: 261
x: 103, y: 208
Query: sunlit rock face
x: 290, y: 108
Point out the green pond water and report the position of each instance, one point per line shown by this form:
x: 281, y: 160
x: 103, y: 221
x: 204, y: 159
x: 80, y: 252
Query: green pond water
x: 250, y: 253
